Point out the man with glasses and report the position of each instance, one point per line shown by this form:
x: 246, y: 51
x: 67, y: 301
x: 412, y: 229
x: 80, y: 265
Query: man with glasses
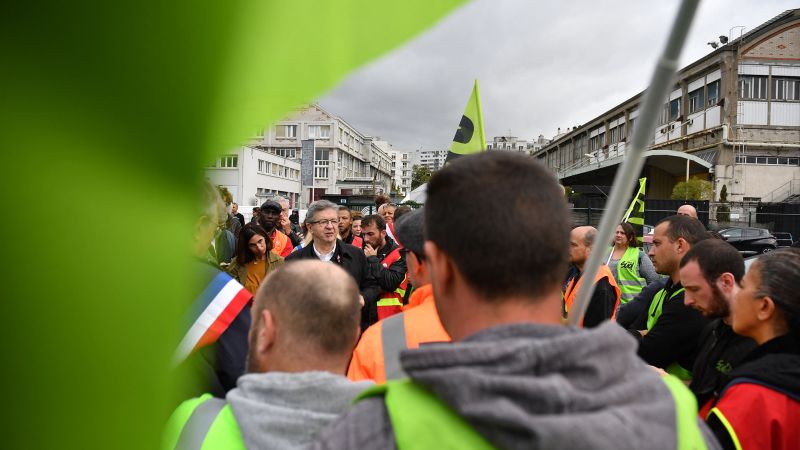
x: 322, y: 220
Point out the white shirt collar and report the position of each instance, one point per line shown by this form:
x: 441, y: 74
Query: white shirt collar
x: 327, y: 256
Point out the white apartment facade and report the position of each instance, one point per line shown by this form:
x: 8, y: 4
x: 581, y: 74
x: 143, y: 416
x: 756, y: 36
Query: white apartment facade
x: 253, y: 175
x: 401, y: 168
x: 346, y: 162
x: 433, y: 160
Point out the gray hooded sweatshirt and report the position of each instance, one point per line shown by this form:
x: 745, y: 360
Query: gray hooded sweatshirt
x: 278, y: 410
x: 534, y: 387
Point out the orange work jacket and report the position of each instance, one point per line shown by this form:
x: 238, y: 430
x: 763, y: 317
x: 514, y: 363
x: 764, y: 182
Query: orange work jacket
x: 421, y: 324
x: 572, y: 289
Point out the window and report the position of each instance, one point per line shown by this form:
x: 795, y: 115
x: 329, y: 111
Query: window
x: 319, y: 131
x: 321, y: 159
x: 617, y: 134
x: 671, y: 111
x: 229, y: 161
x: 771, y: 160
x: 260, y: 133
x: 752, y: 87
x: 262, y: 166
x: 597, y: 142
x: 290, y: 153
x: 696, y: 101
x: 785, y: 89
x: 712, y: 93
x: 733, y: 232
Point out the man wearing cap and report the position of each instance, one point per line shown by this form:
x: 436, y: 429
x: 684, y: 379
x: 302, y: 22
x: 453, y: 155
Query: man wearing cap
x: 270, y: 217
x: 377, y: 356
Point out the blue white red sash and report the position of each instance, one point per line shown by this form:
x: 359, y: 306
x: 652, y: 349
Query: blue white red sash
x: 215, y: 309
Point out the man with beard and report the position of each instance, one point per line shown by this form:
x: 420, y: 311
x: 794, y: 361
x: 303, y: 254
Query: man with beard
x: 386, y: 265
x: 295, y: 384
x: 346, y: 228
x: 269, y: 220
x: 710, y: 274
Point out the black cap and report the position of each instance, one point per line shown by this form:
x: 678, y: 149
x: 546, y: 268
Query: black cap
x: 409, y: 231
x: 271, y: 204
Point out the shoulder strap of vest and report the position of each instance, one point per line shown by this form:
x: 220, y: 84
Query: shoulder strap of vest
x: 687, y: 431
x: 420, y: 420
x: 393, y: 339
x: 390, y: 259
x: 196, y: 428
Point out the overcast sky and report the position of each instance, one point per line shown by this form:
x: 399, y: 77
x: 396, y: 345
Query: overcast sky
x: 540, y: 66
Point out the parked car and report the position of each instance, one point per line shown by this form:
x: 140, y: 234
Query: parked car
x: 750, y: 241
x: 784, y: 239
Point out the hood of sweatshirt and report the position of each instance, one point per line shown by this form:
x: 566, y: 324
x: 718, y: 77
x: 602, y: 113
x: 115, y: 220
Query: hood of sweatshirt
x: 278, y: 410
x: 554, y: 387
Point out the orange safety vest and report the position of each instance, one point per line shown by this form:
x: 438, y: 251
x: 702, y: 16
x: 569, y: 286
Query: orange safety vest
x: 281, y: 245
x: 572, y: 289
x: 391, y: 303
x: 420, y: 324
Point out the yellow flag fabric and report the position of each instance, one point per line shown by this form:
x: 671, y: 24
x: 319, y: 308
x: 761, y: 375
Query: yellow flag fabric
x: 109, y: 113
x: 635, y: 213
x: 470, y: 136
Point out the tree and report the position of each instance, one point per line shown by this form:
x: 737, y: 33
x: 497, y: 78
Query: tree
x: 693, y: 189
x: 723, y: 211
x: 419, y: 176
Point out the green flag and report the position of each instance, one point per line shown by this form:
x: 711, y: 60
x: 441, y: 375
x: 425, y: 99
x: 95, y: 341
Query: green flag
x: 635, y: 213
x: 470, y: 136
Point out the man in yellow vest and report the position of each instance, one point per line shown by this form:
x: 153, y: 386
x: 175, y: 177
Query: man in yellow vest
x: 605, y: 299
x: 673, y: 328
x: 295, y: 385
x: 514, y: 376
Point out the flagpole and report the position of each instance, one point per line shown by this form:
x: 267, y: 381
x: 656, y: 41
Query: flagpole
x: 632, y: 165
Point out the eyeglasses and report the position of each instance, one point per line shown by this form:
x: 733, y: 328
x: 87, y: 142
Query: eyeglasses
x: 325, y: 222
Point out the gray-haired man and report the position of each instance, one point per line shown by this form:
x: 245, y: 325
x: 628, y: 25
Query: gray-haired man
x: 322, y: 219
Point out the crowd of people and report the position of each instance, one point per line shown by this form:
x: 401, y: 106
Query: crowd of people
x: 431, y: 328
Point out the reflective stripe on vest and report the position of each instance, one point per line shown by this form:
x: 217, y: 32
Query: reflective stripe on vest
x: 211, y: 426
x: 572, y: 289
x: 657, y: 305
x: 393, y: 341
x: 728, y: 427
x: 421, y: 420
x: 630, y: 283
x: 391, y: 303
x: 687, y: 430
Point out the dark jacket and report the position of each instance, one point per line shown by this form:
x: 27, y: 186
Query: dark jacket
x: 239, y: 216
x: 219, y: 365
x: 601, y: 306
x: 353, y: 261
x: 633, y: 315
x: 761, y: 404
x: 389, y: 278
x: 721, y: 350
x: 531, y: 386
x: 673, y: 338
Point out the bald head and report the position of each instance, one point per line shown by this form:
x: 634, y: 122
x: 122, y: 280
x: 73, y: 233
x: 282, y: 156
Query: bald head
x: 581, y: 240
x: 687, y: 210
x: 298, y: 323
